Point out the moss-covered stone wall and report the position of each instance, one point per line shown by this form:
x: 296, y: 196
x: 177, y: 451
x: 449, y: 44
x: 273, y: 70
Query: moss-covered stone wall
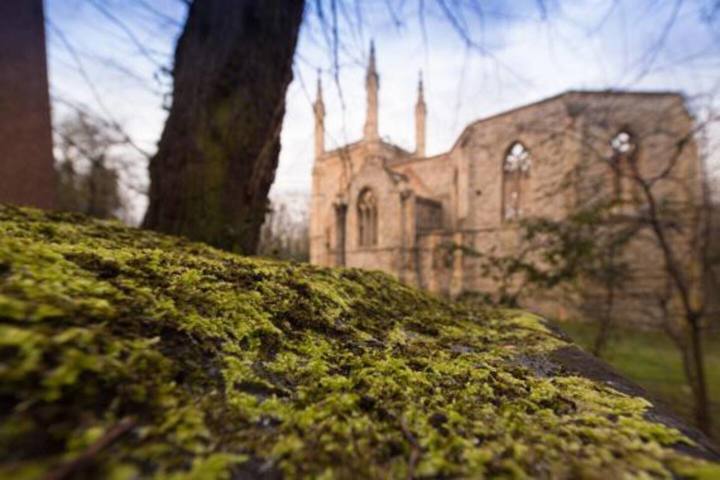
x: 126, y: 354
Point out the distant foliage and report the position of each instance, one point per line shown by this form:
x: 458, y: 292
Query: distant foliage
x: 95, y: 192
x: 285, y: 234
x: 584, y: 246
x: 88, y: 181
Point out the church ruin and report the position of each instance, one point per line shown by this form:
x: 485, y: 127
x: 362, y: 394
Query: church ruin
x: 378, y: 206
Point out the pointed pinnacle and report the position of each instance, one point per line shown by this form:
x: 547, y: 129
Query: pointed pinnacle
x: 319, y: 92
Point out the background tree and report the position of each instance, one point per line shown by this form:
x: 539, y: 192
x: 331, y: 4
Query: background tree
x: 89, y: 181
x: 682, y: 231
x: 635, y: 210
x: 285, y: 233
x: 218, y: 153
x: 219, y: 150
x: 578, y: 257
x: 190, y: 199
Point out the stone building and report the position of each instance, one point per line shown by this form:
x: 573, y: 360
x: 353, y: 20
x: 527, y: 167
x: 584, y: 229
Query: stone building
x: 376, y: 205
x: 27, y: 175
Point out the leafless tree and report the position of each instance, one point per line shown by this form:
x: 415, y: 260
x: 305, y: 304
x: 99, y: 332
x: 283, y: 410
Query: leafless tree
x: 682, y: 231
x: 647, y: 195
x: 88, y: 168
x: 227, y: 209
x: 285, y: 234
x: 233, y: 62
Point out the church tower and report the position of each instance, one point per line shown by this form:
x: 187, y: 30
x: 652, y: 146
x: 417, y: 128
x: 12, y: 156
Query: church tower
x: 420, y: 120
x: 319, y: 108
x: 372, y: 85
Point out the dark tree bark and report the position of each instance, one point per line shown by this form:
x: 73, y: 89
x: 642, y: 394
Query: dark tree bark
x: 603, y: 334
x: 218, y: 153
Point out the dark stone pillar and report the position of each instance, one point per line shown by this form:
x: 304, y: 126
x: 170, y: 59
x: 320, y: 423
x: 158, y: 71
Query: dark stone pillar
x: 341, y: 228
x: 27, y: 175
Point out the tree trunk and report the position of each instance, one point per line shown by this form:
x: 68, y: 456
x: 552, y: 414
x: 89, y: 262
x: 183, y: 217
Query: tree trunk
x: 702, y: 401
x: 602, y: 336
x: 218, y: 153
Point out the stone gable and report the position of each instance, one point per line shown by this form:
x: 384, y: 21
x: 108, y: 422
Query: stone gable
x: 538, y: 160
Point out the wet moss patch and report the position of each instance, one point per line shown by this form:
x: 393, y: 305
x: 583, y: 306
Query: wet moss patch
x: 219, y: 366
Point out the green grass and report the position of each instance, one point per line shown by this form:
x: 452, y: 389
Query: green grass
x: 651, y: 359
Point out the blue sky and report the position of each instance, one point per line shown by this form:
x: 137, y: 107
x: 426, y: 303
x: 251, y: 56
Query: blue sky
x: 526, y: 53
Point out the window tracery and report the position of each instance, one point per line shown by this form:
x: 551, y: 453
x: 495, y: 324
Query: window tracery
x: 622, y: 161
x: 516, y: 173
x: 367, y: 218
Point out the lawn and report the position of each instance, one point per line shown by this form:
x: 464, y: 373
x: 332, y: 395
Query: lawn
x: 652, y: 360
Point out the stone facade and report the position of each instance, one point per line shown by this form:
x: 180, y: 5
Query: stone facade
x: 512, y: 165
x: 27, y: 175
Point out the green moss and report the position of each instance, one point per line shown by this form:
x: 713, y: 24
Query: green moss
x: 651, y: 359
x: 232, y: 366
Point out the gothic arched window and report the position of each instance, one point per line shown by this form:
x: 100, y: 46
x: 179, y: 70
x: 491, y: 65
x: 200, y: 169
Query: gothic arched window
x: 367, y: 218
x: 623, y: 143
x: 516, y: 174
x: 622, y: 161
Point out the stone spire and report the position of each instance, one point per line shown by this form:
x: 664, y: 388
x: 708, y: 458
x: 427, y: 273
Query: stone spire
x: 372, y: 84
x: 319, y: 109
x: 420, y: 120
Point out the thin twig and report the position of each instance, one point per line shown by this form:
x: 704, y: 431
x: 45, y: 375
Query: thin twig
x: 68, y: 469
x: 416, y: 451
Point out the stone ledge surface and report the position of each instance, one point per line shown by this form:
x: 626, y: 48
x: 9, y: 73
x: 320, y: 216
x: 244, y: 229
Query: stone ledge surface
x: 127, y: 354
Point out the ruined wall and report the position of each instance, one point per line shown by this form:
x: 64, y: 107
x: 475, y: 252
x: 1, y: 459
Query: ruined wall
x: 571, y: 150
x: 547, y: 133
x: 384, y: 254
x: 428, y: 215
x: 440, y: 215
x: 328, y: 174
x: 338, y: 178
x: 661, y: 130
x: 433, y: 177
